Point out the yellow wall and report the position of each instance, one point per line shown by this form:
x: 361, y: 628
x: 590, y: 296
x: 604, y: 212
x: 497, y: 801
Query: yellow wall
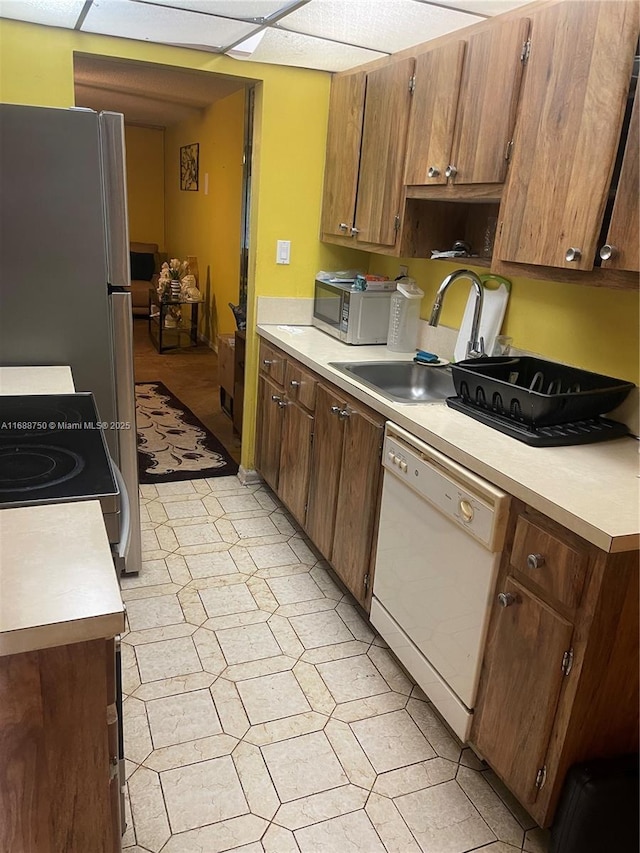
x: 145, y: 184
x: 208, y: 225
x: 36, y: 67
x: 591, y: 327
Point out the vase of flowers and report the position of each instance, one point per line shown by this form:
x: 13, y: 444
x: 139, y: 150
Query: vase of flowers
x: 171, y: 275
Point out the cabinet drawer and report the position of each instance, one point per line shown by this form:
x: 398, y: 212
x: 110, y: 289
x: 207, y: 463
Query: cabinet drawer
x: 553, y: 558
x: 272, y: 363
x: 300, y: 385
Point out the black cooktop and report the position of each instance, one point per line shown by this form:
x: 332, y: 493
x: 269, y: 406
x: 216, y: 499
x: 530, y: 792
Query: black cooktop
x: 52, y: 450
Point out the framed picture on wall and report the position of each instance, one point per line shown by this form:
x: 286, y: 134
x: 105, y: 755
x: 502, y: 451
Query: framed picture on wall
x: 189, y: 155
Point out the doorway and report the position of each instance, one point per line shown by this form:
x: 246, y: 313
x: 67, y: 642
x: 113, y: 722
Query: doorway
x: 183, y: 107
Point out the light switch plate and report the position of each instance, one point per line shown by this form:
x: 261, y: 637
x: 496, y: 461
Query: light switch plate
x: 283, y: 251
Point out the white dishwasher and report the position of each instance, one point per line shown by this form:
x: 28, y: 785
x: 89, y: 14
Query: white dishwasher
x: 440, y: 537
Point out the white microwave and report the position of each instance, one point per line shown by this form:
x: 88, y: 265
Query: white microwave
x: 353, y: 316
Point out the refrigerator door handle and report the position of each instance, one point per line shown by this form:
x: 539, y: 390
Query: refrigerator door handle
x: 125, y: 513
x: 114, y: 178
x: 127, y: 460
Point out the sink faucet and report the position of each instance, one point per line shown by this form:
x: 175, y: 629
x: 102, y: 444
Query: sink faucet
x: 475, y: 344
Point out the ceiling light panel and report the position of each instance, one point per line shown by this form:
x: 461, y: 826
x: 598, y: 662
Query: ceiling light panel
x: 385, y: 25
x: 248, y: 9
x: 481, y: 7
x: 280, y: 47
x: 62, y: 13
x: 163, y: 25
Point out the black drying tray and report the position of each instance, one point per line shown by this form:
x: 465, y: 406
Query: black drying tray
x: 536, y: 392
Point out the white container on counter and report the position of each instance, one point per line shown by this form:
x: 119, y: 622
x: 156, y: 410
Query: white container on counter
x: 404, y: 317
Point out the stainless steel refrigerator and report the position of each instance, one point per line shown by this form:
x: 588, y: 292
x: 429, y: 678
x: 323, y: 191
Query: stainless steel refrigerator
x: 64, y: 273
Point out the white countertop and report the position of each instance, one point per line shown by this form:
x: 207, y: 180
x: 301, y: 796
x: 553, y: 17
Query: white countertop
x: 58, y: 584
x: 591, y: 489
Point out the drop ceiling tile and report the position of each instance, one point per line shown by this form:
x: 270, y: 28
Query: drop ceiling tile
x: 62, y: 13
x: 281, y: 47
x: 163, y: 25
x: 386, y: 25
x: 228, y: 8
x: 480, y: 7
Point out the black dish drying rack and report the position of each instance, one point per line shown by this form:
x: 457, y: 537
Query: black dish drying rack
x: 540, y: 402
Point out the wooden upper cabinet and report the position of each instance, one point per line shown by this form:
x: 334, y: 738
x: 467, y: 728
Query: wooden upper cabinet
x: 346, y: 109
x: 573, y: 102
x: 464, y: 107
x: 488, y: 101
x: 433, y: 114
x: 622, y: 246
x: 384, y: 138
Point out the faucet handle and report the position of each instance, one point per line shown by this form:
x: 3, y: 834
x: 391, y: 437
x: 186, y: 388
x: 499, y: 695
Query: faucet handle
x: 475, y: 349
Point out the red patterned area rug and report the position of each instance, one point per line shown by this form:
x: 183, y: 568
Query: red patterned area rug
x: 172, y: 443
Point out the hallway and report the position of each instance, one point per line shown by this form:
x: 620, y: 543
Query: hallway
x: 191, y: 375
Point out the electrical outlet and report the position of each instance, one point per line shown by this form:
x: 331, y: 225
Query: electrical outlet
x: 403, y: 270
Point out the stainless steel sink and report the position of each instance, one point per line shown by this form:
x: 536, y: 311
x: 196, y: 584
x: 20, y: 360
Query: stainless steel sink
x: 401, y: 381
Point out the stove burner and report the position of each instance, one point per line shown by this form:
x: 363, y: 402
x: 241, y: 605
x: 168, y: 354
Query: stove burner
x: 38, y: 416
x: 35, y: 466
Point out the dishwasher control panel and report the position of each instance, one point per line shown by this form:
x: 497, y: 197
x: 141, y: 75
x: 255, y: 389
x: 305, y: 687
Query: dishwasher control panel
x: 462, y: 496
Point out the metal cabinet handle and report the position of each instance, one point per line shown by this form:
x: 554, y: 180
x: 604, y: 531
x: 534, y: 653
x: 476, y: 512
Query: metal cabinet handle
x: 355, y: 230
x: 335, y: 410
x: 608, y: 251
x: 282, y: 404
x: 535, y: 561
x: 505, y: 599
x: 268, y: 361
x: 276, y: 398
x: 433, y: 172
x: 343, y: 413
x: 573, y: 254
x: 343, y: 226
x: 294, y: 383
x: 451, y: 171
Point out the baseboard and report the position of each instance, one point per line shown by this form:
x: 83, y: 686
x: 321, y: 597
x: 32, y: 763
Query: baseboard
x: 248, y: 477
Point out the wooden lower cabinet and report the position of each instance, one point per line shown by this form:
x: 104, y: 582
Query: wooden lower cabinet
x: 55, y: 781
x: 357, y: 502
x: 269, y: 430
x: 325, y: 471
x: 559, y: 681
x: 526, y: 630
x: 295, y: 459
x: 344, y: 488
x: 319, y: 450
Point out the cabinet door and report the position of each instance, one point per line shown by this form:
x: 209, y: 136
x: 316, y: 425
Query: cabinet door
x: 269, y: 430
x: 295, y: 459
x: 573, y: 101
x: 488, y: 101
x: 521, y: 685
x: 622, y: 239
x: 346, y: 108
x: 384, y: 138
x: 357, y: 500
x: 325, y: 470
x: 433, y: 114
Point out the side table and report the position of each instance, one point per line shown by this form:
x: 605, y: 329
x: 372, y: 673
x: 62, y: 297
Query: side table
x: 184, y: 312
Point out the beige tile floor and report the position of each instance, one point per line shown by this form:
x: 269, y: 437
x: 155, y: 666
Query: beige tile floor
x: 263, y: 714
